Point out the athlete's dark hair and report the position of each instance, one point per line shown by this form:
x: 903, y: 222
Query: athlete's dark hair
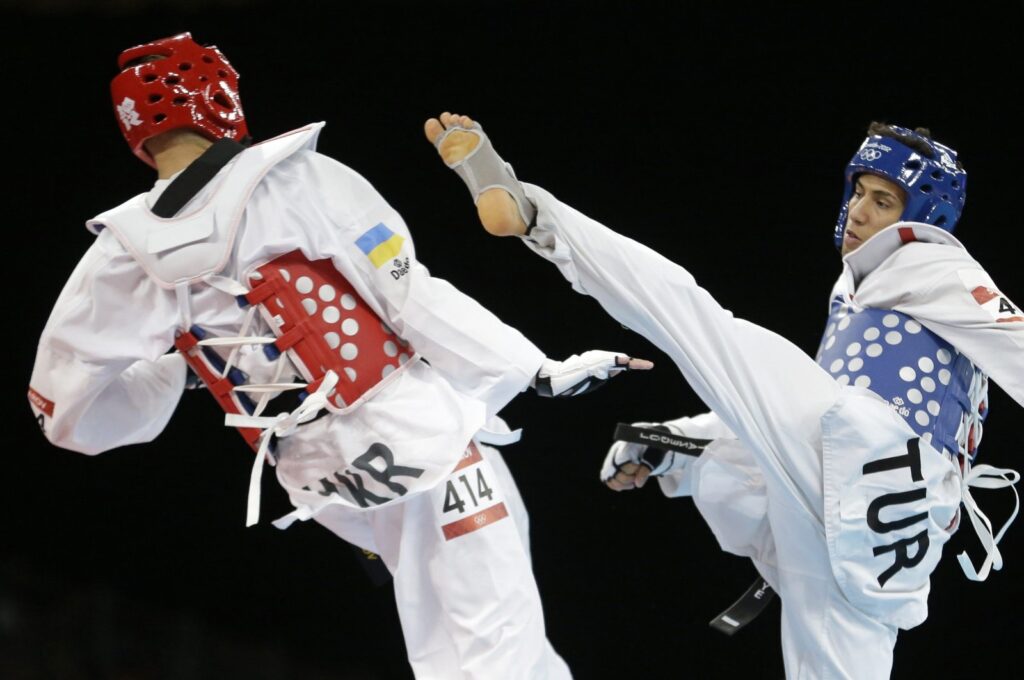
x: 885, y: 130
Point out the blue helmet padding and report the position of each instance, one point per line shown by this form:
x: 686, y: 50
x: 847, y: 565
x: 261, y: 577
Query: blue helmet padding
x: 935, y: 187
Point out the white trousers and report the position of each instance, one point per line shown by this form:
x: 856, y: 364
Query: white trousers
x: 765, y: 496
x: 823, y: 634
x: 460, y: 558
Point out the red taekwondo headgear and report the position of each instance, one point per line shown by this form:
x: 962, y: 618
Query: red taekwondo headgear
x: 176, y: 83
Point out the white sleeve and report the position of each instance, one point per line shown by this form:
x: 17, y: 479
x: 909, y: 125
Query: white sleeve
x: 703, y: 426
x: 676, y: 483
x: 960, y: 303
x: 101, y: 378
x: 474, y: 350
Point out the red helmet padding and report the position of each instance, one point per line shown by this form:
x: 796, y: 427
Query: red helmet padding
x: 187, y: 86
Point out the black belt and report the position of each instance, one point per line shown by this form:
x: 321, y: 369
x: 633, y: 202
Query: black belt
x: 759, y: 594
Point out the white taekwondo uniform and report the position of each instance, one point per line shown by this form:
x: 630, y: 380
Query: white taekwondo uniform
x: 842, y: 505
x: 455, y: 540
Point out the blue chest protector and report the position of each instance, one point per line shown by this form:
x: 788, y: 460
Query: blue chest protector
x: 939, y: 392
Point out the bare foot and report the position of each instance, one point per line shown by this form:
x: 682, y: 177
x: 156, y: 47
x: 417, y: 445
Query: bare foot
x: 496, y: 208
x: 457, y: 145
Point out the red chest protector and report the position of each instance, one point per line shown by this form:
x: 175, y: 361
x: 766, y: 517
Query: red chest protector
x: 320, y: 324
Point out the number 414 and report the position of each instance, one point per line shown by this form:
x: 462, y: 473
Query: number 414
x: 452, y: 499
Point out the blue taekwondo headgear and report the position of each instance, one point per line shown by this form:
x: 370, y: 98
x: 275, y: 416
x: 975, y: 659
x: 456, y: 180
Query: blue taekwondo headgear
x: 935, y: 187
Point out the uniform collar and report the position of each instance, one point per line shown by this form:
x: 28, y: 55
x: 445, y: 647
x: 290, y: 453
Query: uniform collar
x: 158, y: 189
x: 879, y: 247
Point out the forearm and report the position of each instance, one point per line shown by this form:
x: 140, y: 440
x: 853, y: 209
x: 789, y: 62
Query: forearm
x: 702, y: 426
x: 475, y: 351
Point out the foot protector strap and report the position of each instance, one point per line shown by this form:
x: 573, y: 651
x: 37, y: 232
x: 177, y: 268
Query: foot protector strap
x: 484, y: 169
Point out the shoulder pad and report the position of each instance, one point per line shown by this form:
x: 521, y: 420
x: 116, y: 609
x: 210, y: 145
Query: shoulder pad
x: 198, y: 242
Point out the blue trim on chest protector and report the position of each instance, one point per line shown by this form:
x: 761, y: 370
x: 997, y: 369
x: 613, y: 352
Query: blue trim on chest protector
x: 921, y: 376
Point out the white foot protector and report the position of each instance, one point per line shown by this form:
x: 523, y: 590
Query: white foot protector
x: 484, y: 169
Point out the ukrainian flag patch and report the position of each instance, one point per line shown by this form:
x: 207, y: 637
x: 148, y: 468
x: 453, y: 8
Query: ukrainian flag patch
x: 380, y: 244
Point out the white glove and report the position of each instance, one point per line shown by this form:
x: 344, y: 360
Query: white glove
x: 628, y: 465
x: 583, y: 373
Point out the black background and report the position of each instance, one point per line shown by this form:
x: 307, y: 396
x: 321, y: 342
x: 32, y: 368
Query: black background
x: 717, y: 135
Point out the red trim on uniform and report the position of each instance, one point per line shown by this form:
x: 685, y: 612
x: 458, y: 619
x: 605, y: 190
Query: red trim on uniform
x: 468, y: 525
x: 470, y: 457
x: 1012, y: 318
x: 40, y: 402
x: 982, y: 294
x: 907, y: 234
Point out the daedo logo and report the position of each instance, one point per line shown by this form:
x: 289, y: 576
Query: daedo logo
x: 401, y: 268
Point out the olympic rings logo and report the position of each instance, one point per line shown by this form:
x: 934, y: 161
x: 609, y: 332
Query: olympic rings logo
x: 871, y: 154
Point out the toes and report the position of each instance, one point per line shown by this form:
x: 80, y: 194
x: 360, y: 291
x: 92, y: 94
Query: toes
x: 450, y: 120
x: 433, y: 129
x: 450, y: 133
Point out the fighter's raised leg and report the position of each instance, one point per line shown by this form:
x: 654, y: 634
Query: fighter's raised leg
x: 746, y: 374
